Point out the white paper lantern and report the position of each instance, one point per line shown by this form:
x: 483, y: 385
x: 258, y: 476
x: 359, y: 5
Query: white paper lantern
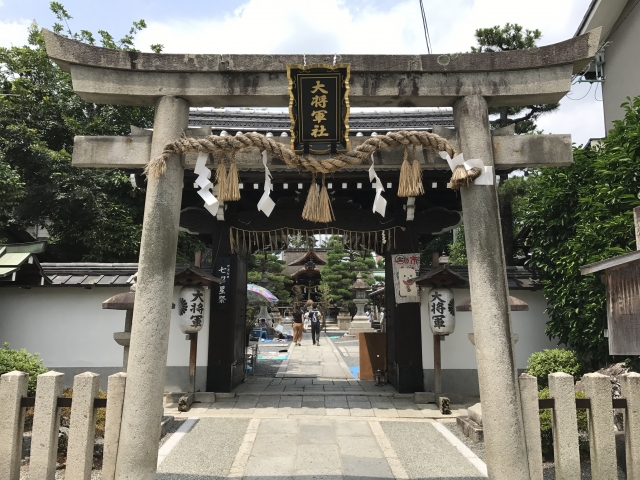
x: 191, y: 309
x: 442, y: 311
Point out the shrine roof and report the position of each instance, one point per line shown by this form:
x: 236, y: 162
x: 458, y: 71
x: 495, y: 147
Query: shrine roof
x: 90, y: 275
x: 518, y: 278
x: 361, y: 120
x: 310, y: 255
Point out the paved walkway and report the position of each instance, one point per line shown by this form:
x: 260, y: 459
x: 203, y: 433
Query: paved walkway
x: 315, y: 421
x: 320, y: 360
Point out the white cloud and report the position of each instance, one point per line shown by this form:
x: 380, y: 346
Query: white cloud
x: 14, y: 33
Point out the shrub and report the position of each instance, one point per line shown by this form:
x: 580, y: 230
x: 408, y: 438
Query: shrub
x: 22, y: 361
x: 546, y: 431
x: 541, y: 364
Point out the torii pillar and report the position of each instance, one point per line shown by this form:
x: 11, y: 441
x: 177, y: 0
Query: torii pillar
x: 466, y: 81
x: 146, y: 371
x: 497, y: 374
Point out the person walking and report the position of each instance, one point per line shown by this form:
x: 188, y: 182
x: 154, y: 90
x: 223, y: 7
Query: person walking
x: 314, y: 318
x: 297, y: 326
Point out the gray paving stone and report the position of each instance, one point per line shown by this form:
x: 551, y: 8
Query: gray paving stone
x: 317, y: 435
x: 364, y: 447
x: 284, y: 426
x: 364, y: 467
x: 352, y: 429
x: 273, y: 466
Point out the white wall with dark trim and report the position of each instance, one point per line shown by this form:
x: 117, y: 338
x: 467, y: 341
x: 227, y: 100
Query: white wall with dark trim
x: 72, y: 333
x: 458, y: 354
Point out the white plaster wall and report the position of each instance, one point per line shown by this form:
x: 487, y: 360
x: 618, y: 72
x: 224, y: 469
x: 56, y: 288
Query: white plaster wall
x: 69, y: 328
x: 457, y: 350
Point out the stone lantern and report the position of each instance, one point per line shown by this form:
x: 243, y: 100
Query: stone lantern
x: 360, y: 322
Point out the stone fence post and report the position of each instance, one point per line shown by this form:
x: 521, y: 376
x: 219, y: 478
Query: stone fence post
x: 630, y: 386
x: 602, y: 443
x: 564, y: 421
x: 13, y: 386
x: 82, y: 426
x: 531, y: 416
x: 115, y: 394
x: 46, y: 423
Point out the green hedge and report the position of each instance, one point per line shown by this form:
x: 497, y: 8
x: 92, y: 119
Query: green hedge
x: 22, y: 361
x: 541, y: 364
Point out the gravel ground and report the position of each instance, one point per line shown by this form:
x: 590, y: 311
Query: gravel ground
x: 426, y: 454
x: 477, y: 448
x: 207, y: 452
x: 96, y: 473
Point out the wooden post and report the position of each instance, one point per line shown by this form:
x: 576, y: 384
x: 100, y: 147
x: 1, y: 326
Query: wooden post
x: 437, y: 365
x: 193, y: 352
x: 435, y: 259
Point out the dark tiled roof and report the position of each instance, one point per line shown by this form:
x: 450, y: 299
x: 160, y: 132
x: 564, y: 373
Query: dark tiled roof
x: 519, y: 278
x: 96, y: 274
x: 371, y: 120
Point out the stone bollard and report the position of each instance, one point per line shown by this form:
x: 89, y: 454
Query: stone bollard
x: 564, y: 422
x: 46, y: 423
x: 531, y: 415
x: 115, y: 394
x: 82, y: 426
x: 630, y: 387
x: 602, y: 445
x: 13, y: 386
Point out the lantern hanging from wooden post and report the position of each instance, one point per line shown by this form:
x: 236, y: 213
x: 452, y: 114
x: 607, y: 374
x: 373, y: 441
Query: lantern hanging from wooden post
x: 442, y: 313
x: 191, y: 309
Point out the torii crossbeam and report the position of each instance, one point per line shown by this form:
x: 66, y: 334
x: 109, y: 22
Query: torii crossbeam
x: 468, y: 82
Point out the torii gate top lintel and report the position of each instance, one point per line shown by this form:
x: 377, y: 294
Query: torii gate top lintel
x: 519, y: 77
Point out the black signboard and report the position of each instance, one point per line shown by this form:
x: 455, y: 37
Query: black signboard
x: 319, y: 107
x: 222, y: 270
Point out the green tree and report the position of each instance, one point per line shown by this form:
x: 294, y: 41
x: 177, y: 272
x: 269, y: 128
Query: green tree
x: 501, y: 39
x: 458, y: 249
x: 11, y: 190
x: 342, y: 268
x: 261, y: 262
x: 579, y: 215
x: 91, y: 215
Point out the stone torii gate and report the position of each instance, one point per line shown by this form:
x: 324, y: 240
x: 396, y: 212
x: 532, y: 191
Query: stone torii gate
x: 469, y: 82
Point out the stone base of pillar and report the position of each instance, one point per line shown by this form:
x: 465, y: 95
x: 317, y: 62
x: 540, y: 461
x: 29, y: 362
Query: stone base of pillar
x: 360, y: 325
x: 344, y: 322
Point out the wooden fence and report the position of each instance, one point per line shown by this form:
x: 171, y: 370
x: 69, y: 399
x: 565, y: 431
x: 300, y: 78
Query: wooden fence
x: 46, y: 423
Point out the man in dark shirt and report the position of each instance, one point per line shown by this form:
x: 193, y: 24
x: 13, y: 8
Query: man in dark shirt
x: 314, y: 317
x: 297, y: 326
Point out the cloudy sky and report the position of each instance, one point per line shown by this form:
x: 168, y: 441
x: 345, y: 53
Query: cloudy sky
x: 324, y: 26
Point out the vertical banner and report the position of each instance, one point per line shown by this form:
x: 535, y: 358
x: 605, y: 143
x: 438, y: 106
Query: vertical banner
x: 406, y: 267
x: 222, y: 270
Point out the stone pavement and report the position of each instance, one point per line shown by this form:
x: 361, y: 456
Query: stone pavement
x: 317, y: 448
x: 308, y: 360
x: 304, y: 425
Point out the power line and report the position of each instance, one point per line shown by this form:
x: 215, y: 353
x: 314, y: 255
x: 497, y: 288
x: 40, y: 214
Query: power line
x: 426, y: 27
